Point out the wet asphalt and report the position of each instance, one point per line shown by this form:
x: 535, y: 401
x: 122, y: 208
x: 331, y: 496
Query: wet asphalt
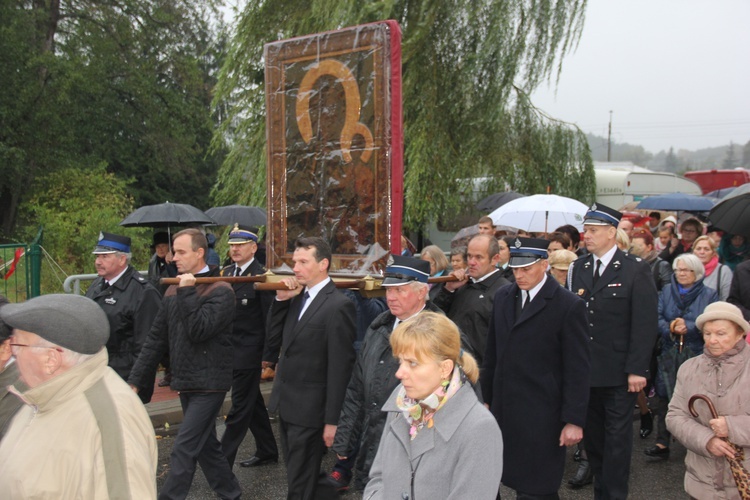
x: 648, y: 479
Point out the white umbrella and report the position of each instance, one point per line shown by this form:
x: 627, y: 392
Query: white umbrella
x: 540, y: 213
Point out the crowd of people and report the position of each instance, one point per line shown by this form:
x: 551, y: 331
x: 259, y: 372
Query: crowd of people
x: 531, y: 343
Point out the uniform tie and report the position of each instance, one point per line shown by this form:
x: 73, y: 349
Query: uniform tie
x: 237, y: 271
x: 526, y: 302
x: 596, y: 271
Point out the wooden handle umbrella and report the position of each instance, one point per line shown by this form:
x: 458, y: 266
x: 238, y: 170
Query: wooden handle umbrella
x: 739, y: 472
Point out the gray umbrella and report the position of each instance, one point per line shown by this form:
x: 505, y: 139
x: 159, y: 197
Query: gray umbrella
x: 238, y: 214
x: 732, y: 213
x: 496, y: 200
x: 165, y: 215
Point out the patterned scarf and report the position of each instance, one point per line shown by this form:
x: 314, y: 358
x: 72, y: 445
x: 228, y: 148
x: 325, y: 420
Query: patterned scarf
x: 420, y: 413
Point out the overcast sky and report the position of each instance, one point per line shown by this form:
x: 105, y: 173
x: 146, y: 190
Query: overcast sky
x: 673, y: 72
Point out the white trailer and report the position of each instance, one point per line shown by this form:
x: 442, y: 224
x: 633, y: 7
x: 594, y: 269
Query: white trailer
x: 620, y: 183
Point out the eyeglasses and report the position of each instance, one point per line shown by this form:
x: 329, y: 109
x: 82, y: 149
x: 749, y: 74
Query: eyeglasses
x: 14, y: 347
x: 683, y: 271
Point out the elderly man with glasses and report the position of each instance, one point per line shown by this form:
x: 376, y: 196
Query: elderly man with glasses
x: 82, y: 431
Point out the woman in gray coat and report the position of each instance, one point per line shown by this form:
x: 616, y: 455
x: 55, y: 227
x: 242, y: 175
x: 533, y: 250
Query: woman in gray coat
x: 439, y: 441
x: 722, y: 373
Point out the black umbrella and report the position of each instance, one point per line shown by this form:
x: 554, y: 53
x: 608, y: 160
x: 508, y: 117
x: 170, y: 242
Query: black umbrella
x: 732, y: 213
x: 165, y: 215
x: 496, y: 200
x: 238, y: 214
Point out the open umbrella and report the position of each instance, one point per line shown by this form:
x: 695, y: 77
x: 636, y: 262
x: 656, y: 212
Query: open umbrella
x: 165, y: 215
x: 540, y: 213
x: 732, y: 213
x: 720, y: 193
x: 238, y: 214
x: 495, y: 200
x: 739, y: 472
x: 677, y: 201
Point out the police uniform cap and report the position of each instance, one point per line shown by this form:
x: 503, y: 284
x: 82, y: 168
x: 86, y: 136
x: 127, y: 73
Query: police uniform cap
x: 405, y: 269
x: 111, y: 243
x: 240, y: 235
x: 527, y: 251
x: 601, y: 215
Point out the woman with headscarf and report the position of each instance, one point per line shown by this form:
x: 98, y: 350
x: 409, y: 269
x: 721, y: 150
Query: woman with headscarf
x: 679, y: 306
x: 718, y: 276
x: 439, y: 440
x: 722, y: 373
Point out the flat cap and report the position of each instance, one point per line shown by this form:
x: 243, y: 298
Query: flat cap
x: 70, y: 321
x: 526, y: 251
x: 404, y: 270
x: 111, y: 243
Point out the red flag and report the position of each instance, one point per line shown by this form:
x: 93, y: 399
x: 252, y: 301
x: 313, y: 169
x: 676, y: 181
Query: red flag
x: 12, y: 267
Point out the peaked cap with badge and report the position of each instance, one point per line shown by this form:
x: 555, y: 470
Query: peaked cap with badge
x: 239, y: 235
x: 527, y: 251
x: 601, y: 215
x: 111, y: 243
x: 404, y: 270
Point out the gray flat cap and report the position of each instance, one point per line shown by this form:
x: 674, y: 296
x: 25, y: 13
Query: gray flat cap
x: 70, y: 321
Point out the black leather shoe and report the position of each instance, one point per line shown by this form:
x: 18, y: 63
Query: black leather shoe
x: 256, y: 461
x: 656, y: 452
x: 583, y: 475
x: 647, y: 425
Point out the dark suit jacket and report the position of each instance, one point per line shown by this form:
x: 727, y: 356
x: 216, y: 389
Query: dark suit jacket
x: 316, y: 358
x: 249, y: 328
x: 536, y: 379
x: 622, y: 310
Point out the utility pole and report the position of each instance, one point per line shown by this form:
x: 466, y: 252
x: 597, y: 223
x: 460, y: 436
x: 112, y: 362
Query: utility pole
x: 609, y: 138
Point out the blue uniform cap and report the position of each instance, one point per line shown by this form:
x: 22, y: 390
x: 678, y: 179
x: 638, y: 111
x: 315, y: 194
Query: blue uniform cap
x: 406, y: 269
x: 111, y: 243
x: 239, y: 235
x: 600, y: 215
x: 526, y: 251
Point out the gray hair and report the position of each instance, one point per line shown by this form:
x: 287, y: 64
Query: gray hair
x: 128, y: 256
x: 692, y: 262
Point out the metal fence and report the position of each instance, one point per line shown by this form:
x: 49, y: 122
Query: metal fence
x: 20, y: 269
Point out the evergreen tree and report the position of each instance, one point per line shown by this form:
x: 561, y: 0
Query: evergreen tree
x: 468, y: 68
x: 730, y: 160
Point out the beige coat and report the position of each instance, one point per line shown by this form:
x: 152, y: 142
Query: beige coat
x: 83, y: 434
x: 726, y: 381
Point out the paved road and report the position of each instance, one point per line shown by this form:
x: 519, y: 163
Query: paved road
x: 649, y: 480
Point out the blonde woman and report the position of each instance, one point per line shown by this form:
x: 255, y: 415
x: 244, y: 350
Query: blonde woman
x: 439, y: 440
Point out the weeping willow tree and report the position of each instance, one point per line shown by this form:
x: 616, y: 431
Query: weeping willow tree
x: 468, y: 69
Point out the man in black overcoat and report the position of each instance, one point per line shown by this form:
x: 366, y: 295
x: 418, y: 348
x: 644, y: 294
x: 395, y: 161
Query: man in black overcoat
x: 311, y: 331
x: 622, y: 303
x: 248, y: 338
x: 535, y: 376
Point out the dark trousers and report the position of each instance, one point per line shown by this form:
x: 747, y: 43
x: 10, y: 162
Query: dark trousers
x: 659, y: 410
x: 197, y: 442
x: 609, y: 440
x: 248, y: 412
x: 303, y: 449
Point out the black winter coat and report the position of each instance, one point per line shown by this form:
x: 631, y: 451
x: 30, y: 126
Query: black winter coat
x: 195, y: 323
x: 131, y: 305
x: 373, y: 380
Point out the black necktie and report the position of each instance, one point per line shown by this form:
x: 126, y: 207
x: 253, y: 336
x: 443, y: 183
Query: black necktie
x: 105, y: 285
x: 304, y: 301
x: 596, y: 271
x: 528, y: 299
x: 237, y: 271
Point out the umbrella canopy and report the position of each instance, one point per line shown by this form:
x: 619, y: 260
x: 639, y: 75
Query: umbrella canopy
x: 677, y: 201
x: 165, y: 215
x: 720, y: 193
x: 540, y: 213
x: 732, y: 213
x: 238, y: 214
x: 496, y: 200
